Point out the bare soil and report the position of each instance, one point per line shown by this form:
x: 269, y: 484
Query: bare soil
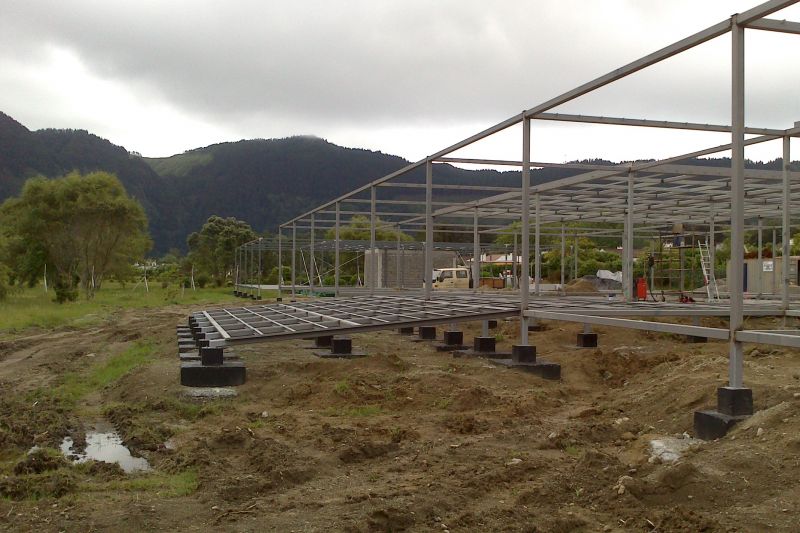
x: 405, y: 439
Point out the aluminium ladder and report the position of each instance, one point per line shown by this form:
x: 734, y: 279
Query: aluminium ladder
x: 708, y: 272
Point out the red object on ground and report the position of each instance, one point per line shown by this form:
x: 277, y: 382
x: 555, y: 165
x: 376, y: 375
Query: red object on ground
x: 641, y: 289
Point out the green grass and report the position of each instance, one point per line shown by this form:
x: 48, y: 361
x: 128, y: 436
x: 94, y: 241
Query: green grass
x: 76, y: 385
x: 169, y: 485
x: 341, y: 387
x: 32, y: 307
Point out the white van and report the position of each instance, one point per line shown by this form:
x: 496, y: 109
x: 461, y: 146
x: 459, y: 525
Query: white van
x: 451, y: 278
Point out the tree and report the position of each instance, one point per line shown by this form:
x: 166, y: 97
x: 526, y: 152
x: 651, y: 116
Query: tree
x: 82, y: 227
x: 213, y: 249
x: 358, y: 229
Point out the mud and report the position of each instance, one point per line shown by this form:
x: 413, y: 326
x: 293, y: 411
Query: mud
x: 406, y: 439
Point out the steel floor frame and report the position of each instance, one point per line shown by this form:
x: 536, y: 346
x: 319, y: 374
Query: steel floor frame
x: 357, y: 314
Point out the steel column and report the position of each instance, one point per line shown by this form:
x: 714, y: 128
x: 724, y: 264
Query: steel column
x: 537, y: 246
x: 294, y: 256
x: 786, y: 224
x: 373, y: 264
x: 524, y: 287
x: 627, y: 245
x: 712, y: 244
x: 428, y: 229
x: 311, y: 269
x: 735, y: 283
x: 774, y: 289
x: 397, y: 260
x: 476, y: 253
x: 336, y: 261
x: 760, y: 261
x: 280, y: 259
x: 563, y: 255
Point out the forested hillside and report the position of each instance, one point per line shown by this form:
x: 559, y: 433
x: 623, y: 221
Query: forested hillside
x: 263, y: 182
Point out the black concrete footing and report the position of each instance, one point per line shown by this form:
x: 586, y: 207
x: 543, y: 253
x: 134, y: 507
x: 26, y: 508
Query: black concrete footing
x: 427, y: 333
x: 408, y: 330
x: 323, y: 342
x: 279, y: 299
x: 733, y: 405
x: 483, y: 347
x: 341, y: 347
x: 484, y: 344
x: 523, y: 353
x: 195, y: 356
x: 587, y: 340
x: 453, y: 340
x: 211, y: 356
x: 735, y: 401
x: 693, y: 339
x: 229, y: 373
x: 523, y: 357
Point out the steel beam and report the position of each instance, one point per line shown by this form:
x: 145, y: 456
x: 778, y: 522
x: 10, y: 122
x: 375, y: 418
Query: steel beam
x: 782, y: 26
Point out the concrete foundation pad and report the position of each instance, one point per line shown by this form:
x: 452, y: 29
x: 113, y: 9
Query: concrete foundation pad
x: 449, y: 347
x: 230, y: 373
x: 711, y: 425
x: 540, y: 368
x: 195, y: 356
x: 486, y: 355
x: 330, y: 355
x: 210, y: 392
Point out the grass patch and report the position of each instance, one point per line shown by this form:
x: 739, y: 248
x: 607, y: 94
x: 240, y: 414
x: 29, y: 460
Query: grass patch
x: 170, y: 485
x: 32, y: 307
x: 572, y: 450
x: 75, y: 386
x: 342, y: 387
x: 443, y: 403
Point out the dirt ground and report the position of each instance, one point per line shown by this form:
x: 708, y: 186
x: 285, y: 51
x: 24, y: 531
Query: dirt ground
x: 405, y: 439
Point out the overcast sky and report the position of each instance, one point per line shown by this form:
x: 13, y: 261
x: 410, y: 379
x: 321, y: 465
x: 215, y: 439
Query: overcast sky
x: 404, y: 77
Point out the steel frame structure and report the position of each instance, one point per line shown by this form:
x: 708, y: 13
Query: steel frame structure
x: 642, y: 197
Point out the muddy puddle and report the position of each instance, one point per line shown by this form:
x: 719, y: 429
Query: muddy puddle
x: 104, y: 444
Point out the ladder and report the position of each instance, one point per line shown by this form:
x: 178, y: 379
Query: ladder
x: 708, y: 272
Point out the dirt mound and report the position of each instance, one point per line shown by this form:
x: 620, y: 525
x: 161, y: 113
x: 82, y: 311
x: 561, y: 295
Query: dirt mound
x: 474, y: 398
x: 40, y: 460
x: 580, y: 285
x: 364, y: 451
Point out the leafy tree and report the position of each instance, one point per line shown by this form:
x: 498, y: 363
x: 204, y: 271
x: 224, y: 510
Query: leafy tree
x: 83, y: 227
x: 358, y: 229
x: 213, y: 249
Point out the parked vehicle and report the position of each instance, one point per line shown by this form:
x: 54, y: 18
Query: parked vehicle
x: 452, y: 278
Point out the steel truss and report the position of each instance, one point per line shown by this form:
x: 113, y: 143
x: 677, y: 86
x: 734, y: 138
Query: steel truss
x: 641, y: 197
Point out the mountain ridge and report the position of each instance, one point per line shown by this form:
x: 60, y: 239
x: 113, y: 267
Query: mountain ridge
x: 261, y: 181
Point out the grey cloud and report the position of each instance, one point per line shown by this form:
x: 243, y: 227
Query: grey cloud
x: 367, y: 62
